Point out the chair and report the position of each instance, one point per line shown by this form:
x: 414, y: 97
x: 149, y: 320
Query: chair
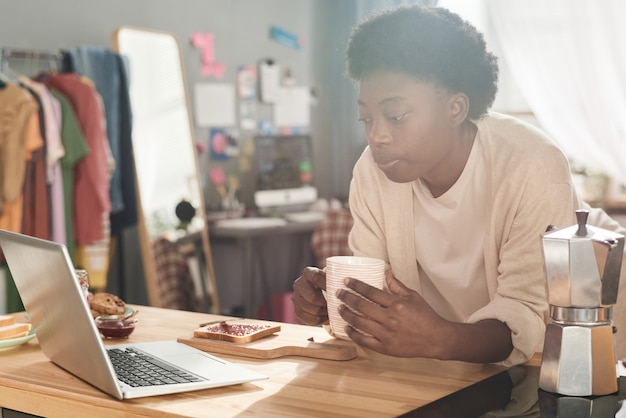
x: 176, y: 287
x: 330, y: 237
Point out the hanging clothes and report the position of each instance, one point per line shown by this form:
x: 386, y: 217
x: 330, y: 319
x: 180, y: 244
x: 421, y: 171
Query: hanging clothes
x: 99, y: 66
x: 61, y: 187
x: 91, y: 188
x: 21, y: 146
x: 36, y: 206
x: 20, y: 137
x: 22, y: 169
x: 92, y: 177
x: 108, y: 71
x: 51, y: 109
x: 76, y: 149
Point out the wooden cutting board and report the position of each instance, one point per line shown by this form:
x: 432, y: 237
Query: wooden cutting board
x: 278, y: 345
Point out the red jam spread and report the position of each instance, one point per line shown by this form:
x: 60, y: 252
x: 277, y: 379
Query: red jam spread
x: 116, y: 329
x: 237, y: 330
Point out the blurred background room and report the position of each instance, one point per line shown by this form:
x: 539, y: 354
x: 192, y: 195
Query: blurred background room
x: 221, y: 134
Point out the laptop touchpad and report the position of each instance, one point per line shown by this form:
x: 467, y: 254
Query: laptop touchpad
x: 211, y: 368
x: 198, y: 363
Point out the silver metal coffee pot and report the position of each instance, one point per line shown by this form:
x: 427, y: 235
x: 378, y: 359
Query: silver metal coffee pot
x: 582, y: 265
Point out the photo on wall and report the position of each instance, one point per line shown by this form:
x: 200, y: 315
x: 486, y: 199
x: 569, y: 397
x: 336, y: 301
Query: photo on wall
x: 223, y: 144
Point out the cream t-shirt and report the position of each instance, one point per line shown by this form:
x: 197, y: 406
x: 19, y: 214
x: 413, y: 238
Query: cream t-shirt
x: 449, y: 242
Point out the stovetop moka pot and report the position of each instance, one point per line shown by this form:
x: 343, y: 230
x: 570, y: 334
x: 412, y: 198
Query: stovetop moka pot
x: 582, y: 264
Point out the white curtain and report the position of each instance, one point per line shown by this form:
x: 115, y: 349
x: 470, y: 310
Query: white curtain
x: 569, y: 59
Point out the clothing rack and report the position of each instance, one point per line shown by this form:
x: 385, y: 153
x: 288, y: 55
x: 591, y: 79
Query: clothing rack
x: 52, y: 58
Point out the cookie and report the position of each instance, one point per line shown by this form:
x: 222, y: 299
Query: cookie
x: 106, y: 304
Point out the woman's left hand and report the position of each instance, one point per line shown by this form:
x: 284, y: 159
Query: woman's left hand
x: 400, y: 322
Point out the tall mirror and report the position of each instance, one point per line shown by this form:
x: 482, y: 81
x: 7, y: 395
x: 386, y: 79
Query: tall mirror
x: 171, y: 208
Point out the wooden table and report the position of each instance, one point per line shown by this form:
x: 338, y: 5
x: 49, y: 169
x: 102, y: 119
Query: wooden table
x: 367, y: 386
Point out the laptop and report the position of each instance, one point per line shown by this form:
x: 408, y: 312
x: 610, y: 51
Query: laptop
x: 44, y: 276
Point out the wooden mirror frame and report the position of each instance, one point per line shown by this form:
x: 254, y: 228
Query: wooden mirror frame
x: 147, y: 235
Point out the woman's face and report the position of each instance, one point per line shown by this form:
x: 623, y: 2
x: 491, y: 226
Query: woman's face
x: 408, y: 127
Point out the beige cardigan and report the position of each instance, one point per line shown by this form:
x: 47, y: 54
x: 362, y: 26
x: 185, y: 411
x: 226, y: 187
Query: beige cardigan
x: 529, y: 188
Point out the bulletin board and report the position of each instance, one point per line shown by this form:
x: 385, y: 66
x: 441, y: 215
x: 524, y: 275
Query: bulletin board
x: 236, y: 96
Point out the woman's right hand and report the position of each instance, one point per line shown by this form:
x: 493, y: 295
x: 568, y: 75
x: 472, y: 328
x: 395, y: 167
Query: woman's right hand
x: 308, y: 300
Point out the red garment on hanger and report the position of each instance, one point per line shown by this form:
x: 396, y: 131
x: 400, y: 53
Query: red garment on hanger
x: 92, y: 178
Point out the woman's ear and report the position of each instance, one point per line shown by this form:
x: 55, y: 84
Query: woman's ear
x: 459, y: 108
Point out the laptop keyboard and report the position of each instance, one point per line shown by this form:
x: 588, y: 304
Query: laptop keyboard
x: 136, y: 368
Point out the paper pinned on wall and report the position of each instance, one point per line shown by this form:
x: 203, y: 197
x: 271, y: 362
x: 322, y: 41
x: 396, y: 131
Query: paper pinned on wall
x: 247, y: 114
x: 269, y: 79
x: 223, y: 143
x: 246, y: 82
x: 293, y: 107
x: 283, y: 37
x: 209, y: 66
x: 214, y: 104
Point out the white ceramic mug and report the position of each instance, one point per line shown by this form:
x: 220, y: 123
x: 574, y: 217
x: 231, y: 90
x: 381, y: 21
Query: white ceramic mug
x: 367, y: 269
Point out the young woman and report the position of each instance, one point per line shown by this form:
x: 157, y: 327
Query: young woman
x: 455, y: 198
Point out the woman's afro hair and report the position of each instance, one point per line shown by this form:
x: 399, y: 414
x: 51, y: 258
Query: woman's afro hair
x: 430, y: 44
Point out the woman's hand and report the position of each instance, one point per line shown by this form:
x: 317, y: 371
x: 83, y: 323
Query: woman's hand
x: 400, y: 322
x: 308, y: 300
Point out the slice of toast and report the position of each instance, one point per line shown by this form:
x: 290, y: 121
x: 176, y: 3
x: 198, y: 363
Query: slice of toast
x: 19, y: 329
x: 6, y: 320
x: 238, y: 332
